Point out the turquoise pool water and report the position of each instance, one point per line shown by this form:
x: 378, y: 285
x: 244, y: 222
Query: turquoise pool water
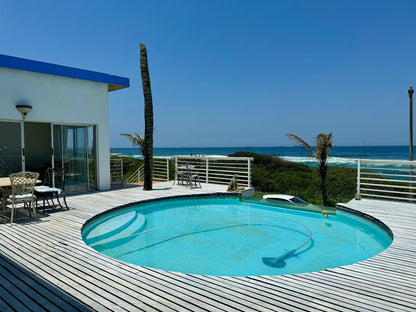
x: 223, y: 236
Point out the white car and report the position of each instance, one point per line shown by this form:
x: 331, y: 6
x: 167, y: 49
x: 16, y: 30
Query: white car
x: 285, y: 198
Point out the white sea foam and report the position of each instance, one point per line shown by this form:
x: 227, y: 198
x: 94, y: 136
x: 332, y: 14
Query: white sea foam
x: 331, y: 160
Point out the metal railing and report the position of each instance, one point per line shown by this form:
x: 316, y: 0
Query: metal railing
x: 386, y: 179
x: 160, y: 171
x: 136, y: 176
x: 116, y: 170
x: 219, y: 170
x: 161, y: 168
x: 210, y: 169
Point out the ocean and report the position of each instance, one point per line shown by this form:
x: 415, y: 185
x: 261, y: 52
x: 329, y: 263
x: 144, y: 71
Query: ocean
x: 339, y: 156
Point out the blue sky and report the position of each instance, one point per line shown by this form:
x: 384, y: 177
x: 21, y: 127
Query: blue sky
x: 235, y: 73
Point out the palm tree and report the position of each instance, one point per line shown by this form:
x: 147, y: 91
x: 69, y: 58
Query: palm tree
x: 136, y: 139
x: 323, y: 147
x: 148, y: 120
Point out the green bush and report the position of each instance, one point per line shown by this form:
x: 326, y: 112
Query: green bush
x: 271, y: 174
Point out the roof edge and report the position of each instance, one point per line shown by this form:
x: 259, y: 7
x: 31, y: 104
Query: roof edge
x: 18, y: 63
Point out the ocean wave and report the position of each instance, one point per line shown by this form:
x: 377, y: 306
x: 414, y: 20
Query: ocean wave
x: 331, y: 160
x: 140, y: 156
x: 296, y: 159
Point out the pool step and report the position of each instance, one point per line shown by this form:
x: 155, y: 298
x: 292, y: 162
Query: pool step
x: 112, y: 230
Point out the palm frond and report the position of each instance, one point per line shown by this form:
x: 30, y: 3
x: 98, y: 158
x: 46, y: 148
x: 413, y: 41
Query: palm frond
x: 302, y: 143
x: 323, y: 146
x: 136, y: 139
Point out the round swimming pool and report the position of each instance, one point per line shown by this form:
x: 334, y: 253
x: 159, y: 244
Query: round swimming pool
x: 230, y: 237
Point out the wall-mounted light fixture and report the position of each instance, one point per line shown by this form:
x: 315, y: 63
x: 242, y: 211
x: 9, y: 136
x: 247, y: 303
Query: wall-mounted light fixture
x: 24, y: 109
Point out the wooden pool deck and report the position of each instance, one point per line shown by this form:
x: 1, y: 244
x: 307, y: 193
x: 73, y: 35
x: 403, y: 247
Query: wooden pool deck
x: 45, y: 266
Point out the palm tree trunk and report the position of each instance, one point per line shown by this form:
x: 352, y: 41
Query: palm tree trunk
x: 322, y: 173
x: 148, y: 120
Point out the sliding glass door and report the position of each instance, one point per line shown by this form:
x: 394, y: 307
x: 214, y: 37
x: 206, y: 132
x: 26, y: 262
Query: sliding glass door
x: 91, y: 156
x: 10, y: 148
x: 27, y: 146
x: 74, y: 150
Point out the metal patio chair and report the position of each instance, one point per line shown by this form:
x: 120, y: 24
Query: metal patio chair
x: 183, y: 175
x: 23, y: 187
x: 47, y: 190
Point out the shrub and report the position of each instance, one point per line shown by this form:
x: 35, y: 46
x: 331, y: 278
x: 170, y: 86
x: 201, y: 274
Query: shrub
x: 271, y: 174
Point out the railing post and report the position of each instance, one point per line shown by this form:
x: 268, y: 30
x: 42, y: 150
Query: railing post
x: 121, y: 169
x: 167, y: 169
x: 207, y: 171
x: 358, y: 195
x: 176, y: 169
x: 249, y: 173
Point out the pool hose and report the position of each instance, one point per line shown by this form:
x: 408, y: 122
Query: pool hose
x: 279, y: 262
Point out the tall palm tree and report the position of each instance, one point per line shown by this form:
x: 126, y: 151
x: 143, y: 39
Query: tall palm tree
x: 323, y: 147
x: 148, y: 120
x: 136, y: 139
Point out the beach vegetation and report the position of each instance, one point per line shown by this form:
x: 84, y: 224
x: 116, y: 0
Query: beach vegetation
x: 271, y: 174
x: 323, y: 147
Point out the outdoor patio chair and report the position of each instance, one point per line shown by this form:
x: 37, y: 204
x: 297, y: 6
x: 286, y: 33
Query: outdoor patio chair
x: 59, y: 188
x: 23, y: 187
x: 42, y: 191
x: 195, y: 180
x: 183, y: 175
x: 4, y: 193
x: 182, y: 178
x: 187, y: 178
x: 47, y: 191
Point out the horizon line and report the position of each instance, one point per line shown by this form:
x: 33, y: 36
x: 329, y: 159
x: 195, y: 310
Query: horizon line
x: 267, y: 146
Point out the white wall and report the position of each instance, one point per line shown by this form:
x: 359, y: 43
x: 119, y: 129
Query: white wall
x: 60, y: 100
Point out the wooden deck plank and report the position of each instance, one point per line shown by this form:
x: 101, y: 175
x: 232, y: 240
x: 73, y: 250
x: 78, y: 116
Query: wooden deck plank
x: 55, y: 277
x: 42, y: 299
x: 274, y: 294
x: 308, y: 292
x: 350, y: 291
x: 198, y: 291
x: 89, y: 266
x: 110, y: 269
x: 80, y: 267
x: 7, y: 295
x: 4, y: 307
x: 54, y: 261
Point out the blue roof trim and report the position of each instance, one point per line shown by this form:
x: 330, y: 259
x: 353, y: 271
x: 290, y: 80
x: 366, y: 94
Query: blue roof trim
x: 12, y: 62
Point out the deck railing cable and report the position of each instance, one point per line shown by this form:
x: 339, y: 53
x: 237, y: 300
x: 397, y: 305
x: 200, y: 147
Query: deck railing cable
x: 218, y: 170
x: 386, y: 179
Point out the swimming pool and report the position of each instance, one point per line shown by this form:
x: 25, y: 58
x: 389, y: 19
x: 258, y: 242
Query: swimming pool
x: 226, y: 236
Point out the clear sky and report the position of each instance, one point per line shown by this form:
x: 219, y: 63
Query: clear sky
x: 235, y: 73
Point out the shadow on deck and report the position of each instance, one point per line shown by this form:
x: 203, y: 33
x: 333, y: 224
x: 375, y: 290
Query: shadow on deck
x: 22, y: 290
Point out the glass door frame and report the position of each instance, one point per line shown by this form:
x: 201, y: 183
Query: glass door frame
x: 86, y: 148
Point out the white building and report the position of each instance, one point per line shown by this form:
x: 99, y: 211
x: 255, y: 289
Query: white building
x: 67, y: 124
